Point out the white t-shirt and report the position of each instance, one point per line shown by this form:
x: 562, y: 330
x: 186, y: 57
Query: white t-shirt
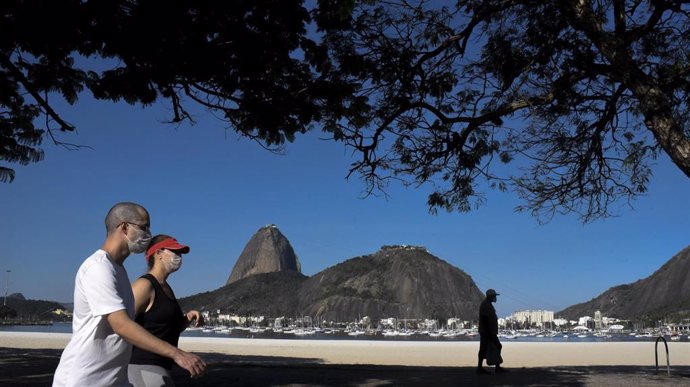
x: 95, y: 355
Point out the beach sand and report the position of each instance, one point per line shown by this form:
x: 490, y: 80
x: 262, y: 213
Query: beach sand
x: 30, y: 359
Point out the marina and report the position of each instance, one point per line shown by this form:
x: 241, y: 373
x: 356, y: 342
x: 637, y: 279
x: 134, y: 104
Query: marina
x: 317, y: 333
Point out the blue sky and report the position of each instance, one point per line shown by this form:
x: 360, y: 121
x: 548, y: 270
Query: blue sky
x: 214, y: 190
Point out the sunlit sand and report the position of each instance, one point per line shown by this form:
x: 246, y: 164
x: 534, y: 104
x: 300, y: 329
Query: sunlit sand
x: 405, y: 353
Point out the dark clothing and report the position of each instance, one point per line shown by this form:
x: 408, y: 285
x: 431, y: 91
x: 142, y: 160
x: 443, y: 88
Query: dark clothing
x: 488, y: 321
x: 484, y: 341
x: 164, y: 320
x: 488, y: 327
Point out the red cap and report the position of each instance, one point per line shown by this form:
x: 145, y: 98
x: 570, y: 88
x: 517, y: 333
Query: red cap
x: 168, y: 243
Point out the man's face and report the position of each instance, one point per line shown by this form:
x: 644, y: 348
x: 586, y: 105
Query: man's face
x: 137, y: 232
x: 138, y: 226
x: 142, y: 222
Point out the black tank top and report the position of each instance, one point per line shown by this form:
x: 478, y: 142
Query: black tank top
x: 164, y: 320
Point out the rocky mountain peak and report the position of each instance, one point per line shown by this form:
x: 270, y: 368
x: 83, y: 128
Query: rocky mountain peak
x: 401, y: 281
x: 665, y: 292
x: 397, y: 281
x: 267, y: 251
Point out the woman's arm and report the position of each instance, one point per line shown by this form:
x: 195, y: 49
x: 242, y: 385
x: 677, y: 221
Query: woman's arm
x: 143, y: 295
x: 193, y: 315
x: 134, y: 334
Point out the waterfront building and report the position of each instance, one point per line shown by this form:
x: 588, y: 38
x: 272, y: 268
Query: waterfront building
x: 616, y: 328
x: 586, y: 321
x: 429, y: 324
x: 390, y: 322
x: 228, y: 319
x: 610, y: 320
x: 532, y: 317
x: 598, y: 324
x: 559, y: 322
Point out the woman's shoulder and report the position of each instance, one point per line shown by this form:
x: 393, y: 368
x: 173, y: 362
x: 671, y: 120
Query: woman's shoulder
x: 144, y: 283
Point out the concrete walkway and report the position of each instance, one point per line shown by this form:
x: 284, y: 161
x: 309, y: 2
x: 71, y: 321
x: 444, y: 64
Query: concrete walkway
x: 35, y: 367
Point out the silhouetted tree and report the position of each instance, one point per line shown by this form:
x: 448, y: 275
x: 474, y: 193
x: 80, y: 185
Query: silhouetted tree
x: 7, y: 312
x: 250, y: 62
x: 580, y: 95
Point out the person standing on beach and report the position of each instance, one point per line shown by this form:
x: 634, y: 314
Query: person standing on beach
x: 488, y: 330
x: 102, y: 327
x: 157, y: 310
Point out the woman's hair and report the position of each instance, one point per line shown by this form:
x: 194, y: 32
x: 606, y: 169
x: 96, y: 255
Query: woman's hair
x: 154, y: 240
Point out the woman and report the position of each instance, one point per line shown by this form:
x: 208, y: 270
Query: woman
x: 157, y: 310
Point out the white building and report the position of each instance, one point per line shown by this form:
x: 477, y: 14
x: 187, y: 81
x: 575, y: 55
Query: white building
x: 239, y: 320
x: 456, y: 323
x: 616, y: 328
x: 279, y: 322
x: 389, y: 322
x: 583, y: 321
x: 610, y: 320
x: 533, y: 317
x: 598, y: 322
x: 559, y: 322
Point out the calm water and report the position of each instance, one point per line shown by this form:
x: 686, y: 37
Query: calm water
x: 237, y: 333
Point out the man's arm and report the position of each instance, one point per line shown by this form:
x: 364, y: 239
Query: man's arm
x: 135, y: 334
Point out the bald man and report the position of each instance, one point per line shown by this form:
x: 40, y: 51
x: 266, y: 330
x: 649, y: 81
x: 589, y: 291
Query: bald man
x: 103, y: 330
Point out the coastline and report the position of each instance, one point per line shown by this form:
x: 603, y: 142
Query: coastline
x: 404, y: 353
x: 26, y: 322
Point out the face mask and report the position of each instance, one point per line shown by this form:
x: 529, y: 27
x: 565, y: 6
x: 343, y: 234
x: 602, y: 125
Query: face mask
x: 138, y: 245
x: 174, y: 263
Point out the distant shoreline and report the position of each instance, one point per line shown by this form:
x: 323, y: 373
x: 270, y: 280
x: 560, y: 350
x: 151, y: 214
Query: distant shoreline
x: 26, y: 322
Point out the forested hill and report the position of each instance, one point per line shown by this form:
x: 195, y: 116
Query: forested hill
x: 20, y: 308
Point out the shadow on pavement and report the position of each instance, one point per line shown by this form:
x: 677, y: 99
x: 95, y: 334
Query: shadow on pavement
x: 35, y: 367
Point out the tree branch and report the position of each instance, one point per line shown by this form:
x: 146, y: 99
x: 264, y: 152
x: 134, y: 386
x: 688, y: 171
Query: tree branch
x: 7, y: 63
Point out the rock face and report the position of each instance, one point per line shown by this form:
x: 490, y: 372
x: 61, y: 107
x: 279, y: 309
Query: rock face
x: 268, y: 294
x: 396, y: 281
x: 267, y: 251
x: 665, y: 292
x: 18, y: 296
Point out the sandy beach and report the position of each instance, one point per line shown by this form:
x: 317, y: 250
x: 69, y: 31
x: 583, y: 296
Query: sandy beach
x: 406, y: 353
x: 313, y: 362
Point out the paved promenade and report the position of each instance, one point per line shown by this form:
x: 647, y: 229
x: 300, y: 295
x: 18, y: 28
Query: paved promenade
x: 35, y: 367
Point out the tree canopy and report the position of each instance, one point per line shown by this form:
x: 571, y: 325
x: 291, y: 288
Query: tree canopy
x: 580, y: 96
x: 250, y: 61
x: 577, y: 97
